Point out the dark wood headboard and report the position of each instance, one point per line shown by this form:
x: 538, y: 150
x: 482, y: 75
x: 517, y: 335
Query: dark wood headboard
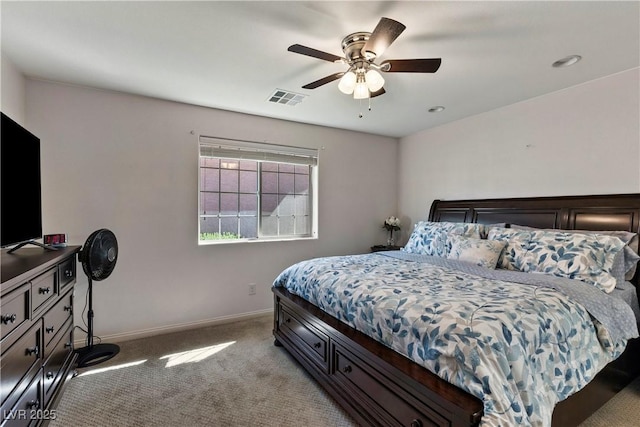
x: 602, y: 212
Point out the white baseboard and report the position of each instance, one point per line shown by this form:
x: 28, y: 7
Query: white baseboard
x: 143, y: 333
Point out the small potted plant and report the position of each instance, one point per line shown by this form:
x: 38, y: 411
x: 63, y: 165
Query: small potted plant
x: 391, y: 224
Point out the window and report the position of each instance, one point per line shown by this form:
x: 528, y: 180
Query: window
x: 255, y: 191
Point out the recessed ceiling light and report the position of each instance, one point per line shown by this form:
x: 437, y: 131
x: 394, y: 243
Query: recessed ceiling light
x: 567, y: 62
x: 436, y: 109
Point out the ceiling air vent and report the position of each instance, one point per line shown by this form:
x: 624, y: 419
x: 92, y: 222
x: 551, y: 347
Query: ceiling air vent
x: 284, y: 97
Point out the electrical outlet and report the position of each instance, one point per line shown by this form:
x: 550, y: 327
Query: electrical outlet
x: 252, y: 288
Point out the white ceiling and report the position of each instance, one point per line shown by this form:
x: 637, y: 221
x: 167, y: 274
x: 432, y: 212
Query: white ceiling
x: 233, y: 55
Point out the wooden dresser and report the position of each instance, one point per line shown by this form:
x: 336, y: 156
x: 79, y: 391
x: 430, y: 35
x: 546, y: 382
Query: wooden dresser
x: 36, y: 321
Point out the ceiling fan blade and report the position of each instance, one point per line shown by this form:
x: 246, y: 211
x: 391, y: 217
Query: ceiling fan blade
x: 383, y: 35
x: 314, y: 53
x: 379, y: 92
x: 430, y: 65
x: 323, y: 81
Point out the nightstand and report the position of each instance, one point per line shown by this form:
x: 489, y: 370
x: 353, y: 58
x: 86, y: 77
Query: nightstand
x: 378, y: 248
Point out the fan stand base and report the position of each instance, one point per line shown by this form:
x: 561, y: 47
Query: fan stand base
x: 98, y: 353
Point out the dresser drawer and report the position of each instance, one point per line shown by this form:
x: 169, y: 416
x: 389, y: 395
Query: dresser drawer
x: 18, y: 359
x: 66, y: 273
x: 15, y: 309
x: 43, y: 288
x: 56, y: 317
x: 360, y: 379
x: 53, y: 366
x: 315, y: 342
x: 27, y: 409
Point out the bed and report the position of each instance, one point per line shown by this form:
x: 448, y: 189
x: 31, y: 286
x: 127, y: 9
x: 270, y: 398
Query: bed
x: 398, y: 370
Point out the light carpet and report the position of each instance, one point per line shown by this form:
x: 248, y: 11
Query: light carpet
x: 226, y: 375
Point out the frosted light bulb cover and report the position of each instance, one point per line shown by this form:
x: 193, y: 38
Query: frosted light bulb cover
x: 347, y: 83
x: 374, y: 80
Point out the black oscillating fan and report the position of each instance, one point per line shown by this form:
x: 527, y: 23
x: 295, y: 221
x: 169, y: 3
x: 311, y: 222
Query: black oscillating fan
x: 98, y: 257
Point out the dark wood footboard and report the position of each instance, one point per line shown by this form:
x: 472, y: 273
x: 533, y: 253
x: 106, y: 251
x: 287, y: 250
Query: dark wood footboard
x: 374, y: 384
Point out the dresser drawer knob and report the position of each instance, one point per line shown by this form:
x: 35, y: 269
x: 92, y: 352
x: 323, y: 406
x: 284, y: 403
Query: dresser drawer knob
x: 50, y: 329
x: 347, y: 369
x: 9, y: 318
x: 44, y: 291
x: 33, y: 350
x: 416, y: 423
x: 67, y: 345
x: 50, y: 375
x: 288, y: 320
x: 33, y: 404
x: 67, y: 308
x: 68, y: 273
x: 318, y: 345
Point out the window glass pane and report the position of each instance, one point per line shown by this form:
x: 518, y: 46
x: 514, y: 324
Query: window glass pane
x: 269, y: 226
x: 301, y: 205
x: 248, y: 227
x: 229, y: 225
x: 269, y: 166
x: 209, y: 204
x: 301, y: 184
x: 208, y: 225
x: 248, y: 204
x: 229, y: 164
x: 301, y: 225
x: 286, y: 206
x: 285, y: 167
x: 285, y: 183
x: 269, y: 182
x: 248, y: 182
x: 302, y: 169
x: 286, y: 225
x: 209, y: 162
x: 209, y: 179
x: 248, y: 165
x: 229, y: 204
x: 269, y: 204
x: 229, y: 180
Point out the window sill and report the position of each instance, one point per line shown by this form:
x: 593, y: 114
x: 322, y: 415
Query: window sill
x: 257, y: 240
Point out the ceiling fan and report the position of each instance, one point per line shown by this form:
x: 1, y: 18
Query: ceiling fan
x: 363, y: 78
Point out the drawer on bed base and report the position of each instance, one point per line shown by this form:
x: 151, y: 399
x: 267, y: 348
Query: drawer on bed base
x: 313, y: 342
x: 361, y: 381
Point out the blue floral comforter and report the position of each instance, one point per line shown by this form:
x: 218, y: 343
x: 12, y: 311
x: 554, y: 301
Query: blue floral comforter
x: 515, y: 340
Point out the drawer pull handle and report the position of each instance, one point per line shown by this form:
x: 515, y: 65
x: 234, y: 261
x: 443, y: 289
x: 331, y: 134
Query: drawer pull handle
x: 318, y: 345
x: 67, y: 308
x: 9, y: 318
x: 416, y: 423
x: 50, y: 375
x: 44, y: 291
x: 67, y: 345
x: 288, y: 320
x: 68, y: 273
x: 33, y: 350
x: 50, y: 329
x: 33, y: 404
x: 347, y: 369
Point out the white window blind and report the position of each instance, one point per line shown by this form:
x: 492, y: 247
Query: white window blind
x: 247, y: 150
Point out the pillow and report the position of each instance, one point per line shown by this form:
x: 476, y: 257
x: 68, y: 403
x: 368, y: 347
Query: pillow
x: 516, y: 243
x: 626, y: 261
x: 431, y: 238
x: 586, y: 257
x: 484, y: 253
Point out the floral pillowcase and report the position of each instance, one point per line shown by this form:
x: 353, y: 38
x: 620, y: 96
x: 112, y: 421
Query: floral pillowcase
x: 431, y: 238
x: 586, y: 257
x: 482, y: 252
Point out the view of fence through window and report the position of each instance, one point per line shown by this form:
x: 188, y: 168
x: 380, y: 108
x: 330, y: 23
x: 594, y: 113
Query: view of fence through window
x: 246, y: 199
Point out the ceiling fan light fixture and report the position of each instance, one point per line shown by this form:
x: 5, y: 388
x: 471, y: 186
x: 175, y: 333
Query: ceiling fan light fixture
x: 374, y: 80
x: 361, y: 91
x: 347, y: 83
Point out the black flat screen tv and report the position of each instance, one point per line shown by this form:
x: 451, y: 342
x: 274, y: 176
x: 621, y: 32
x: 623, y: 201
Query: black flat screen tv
x: 21, y: 198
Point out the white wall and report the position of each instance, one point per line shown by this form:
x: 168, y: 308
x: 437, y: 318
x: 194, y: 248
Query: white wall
x: 12, y: 90
x: 581, y: 140
x: 129, y: 164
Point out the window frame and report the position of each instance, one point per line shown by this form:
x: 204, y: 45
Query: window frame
x: 239, y: 150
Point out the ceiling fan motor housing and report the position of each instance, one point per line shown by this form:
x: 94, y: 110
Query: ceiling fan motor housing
x: 352, y: 47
